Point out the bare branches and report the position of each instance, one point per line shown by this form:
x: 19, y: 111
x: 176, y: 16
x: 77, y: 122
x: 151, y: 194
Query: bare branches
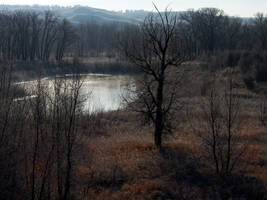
x: 219, y: 123
x: 158, y: 51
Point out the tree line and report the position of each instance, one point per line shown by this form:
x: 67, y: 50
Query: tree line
x: 209, y: 30
x: 44, y: 36
x: 39, y: 136
x: 30, y: 36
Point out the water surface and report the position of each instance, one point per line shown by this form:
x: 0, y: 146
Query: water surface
x: 105, y: 92
x: 101, y: 92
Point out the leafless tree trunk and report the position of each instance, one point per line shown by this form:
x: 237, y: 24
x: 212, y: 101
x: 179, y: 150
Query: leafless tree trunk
x: 219, y: 123
x: 13, y: 115
x: 65, y: 110
x: 65, y: 38
x: 158, y: 51
x: 48, y: 35
x: 260, y: 30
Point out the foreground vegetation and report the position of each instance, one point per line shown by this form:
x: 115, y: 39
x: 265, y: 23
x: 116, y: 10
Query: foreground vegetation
x: 50, y: 149
x: 125, y: 164
x: 199, y: 121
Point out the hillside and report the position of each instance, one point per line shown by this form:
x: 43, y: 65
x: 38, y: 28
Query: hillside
x: 78, y: 14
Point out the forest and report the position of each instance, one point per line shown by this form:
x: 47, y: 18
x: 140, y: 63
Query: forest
x: 194, y: 122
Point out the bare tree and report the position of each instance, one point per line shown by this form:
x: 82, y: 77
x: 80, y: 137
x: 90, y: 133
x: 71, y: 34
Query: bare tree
x: 34, y: 35
x: 13, y: 115
x: 65, y: 38
x: 65, y: 107
x: 260, y: 30
x: 40, y: 133
x: 218, y: 125
x: 158, y: 51
x: 48, y: 35
x: 263, y: 112
x: 232, y: 33
x: 53, y: 128
x: 204, y: 29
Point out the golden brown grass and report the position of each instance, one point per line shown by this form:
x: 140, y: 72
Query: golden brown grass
x: 123, y: 163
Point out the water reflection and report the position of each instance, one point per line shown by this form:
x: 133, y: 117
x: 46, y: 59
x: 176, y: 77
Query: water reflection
x: 104, y: 92
x: 101, y: 92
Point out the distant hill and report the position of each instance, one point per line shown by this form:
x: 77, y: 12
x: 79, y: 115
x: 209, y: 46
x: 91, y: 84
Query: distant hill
x: 79, y: 14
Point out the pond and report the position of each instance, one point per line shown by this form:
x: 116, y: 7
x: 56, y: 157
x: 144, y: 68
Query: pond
x: 101, y: 92
x: 105, y: 92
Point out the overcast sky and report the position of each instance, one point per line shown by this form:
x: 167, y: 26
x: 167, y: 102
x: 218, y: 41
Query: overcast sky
x: 244, y: 8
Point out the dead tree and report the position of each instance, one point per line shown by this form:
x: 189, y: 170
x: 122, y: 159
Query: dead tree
x: 65, y: 109
x: 158, y: 51
x: 218, y: 124
x: 48, y: 35
x: 260, y: 30
x: 66, y: 37
x: 13, y: 115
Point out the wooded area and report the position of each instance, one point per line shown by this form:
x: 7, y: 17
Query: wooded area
x: 194, y: 124
x: 28, y: 35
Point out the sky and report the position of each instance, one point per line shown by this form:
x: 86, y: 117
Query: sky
x: 242, y: 8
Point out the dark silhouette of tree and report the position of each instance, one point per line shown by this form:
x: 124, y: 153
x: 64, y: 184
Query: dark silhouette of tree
x: 66, y: 36
x: 219, y: 122
x: 205, y: 28
x: 48, y: 35
x: 158, y: 51
x: 260, y: 30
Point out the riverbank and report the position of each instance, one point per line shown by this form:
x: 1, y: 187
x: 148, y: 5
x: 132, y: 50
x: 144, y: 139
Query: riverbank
x: 26, y: 71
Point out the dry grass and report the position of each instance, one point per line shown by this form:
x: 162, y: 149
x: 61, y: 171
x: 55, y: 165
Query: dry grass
x: 126, y: 165
x: 123, y: 163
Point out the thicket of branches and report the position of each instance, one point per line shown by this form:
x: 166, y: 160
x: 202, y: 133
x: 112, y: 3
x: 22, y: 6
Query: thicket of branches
x: 38, y: 138
x: 158, y: 53
x: 32, y: 36
x: 38, y: 135
x: 44, y: 36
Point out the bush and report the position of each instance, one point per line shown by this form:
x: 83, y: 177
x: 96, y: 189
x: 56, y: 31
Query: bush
x: 245, y: 187
x: 249, y: 82
x: 253, y: 66
x: 224, y: 59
